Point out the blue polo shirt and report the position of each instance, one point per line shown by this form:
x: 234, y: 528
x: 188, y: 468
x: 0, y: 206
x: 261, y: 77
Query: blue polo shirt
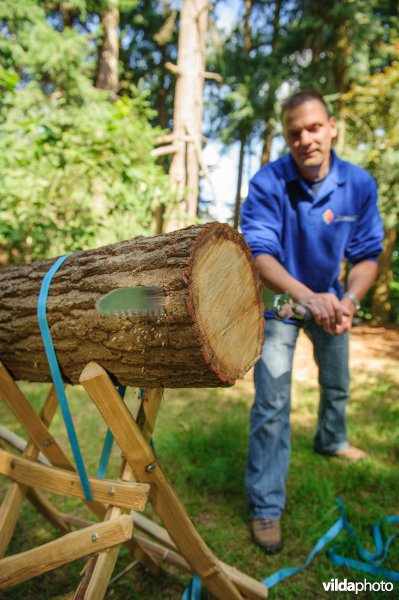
x: 311, y: 234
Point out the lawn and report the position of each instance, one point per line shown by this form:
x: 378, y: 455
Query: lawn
x: 201, y: 442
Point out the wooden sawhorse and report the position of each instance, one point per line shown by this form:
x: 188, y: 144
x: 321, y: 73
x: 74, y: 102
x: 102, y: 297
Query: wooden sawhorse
x: 179, y: 543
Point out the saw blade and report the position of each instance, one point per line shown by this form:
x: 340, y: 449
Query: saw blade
x: 133, y: 301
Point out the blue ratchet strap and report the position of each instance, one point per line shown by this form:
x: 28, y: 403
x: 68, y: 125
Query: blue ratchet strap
x: 193, y: 590
x: 108, y: 443
x: 56, y: 375
x: 372, y: 562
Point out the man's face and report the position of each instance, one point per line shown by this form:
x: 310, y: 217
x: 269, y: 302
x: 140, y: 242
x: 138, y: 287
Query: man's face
x: 309, y: 131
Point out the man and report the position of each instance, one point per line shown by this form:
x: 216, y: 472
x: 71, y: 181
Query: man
x: 304, y: 213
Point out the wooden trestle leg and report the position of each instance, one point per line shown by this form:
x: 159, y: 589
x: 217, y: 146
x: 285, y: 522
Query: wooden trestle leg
x: 12, y: 502
x: 99, y: 567
x: 146, y: 469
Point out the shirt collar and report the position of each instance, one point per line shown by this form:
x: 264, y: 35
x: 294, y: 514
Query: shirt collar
x: 334, y: 176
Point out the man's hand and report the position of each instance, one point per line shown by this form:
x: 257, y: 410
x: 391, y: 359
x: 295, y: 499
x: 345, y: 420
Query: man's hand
x: 328, y: 312
x: 346, y: 320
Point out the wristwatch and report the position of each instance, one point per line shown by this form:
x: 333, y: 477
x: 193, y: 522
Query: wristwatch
x: 353, y: 298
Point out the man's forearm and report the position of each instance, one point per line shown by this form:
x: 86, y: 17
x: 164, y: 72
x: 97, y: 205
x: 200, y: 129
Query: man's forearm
x: 361, y: 277
x: 274, y: 276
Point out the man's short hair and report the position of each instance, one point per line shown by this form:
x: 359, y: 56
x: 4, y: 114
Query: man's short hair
x: 300, y: 98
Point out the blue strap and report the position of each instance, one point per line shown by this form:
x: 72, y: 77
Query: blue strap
x: 193, y: 590
x: 56, y: 375
x: 371, y: 561
x: 108, y: 443
x: 362, y: 566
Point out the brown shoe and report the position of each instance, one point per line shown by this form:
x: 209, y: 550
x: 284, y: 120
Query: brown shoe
x: 351, y: 453
x: 266, y: 533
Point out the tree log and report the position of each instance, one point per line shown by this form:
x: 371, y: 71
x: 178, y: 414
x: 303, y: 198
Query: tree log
x: 211, y: 334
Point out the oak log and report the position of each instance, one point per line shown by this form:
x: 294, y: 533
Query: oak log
x: 211, y: 334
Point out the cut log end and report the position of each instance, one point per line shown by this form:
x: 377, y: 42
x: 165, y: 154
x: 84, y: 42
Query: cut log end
x: 226, y: 303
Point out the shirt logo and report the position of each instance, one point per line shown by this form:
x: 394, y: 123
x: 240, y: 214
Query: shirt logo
x: 346, y: 218
x: 328, y: 216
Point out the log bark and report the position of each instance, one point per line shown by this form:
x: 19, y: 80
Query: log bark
x: 211, y: 334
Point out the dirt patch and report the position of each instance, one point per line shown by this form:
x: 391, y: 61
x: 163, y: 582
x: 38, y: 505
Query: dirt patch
x: 376, y: 342
x: 372, y: 348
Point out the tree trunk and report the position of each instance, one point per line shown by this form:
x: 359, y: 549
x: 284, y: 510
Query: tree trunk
x: 341, y: 127
x: 239, y: 181
x: 247, y: 28
x: 267, y: 140
x: 107, y: 75
x: 211, y: 334
x: 269, y: 104
x: 343, y: 59
x: 107, y: 79
x: 66, y: 12
x: 188, y: 103
x: 381, y: 304
x: 162, y: 110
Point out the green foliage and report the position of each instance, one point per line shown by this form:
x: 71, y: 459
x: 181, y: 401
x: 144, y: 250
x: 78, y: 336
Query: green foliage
x: 394, y: 286
x: 372, y: 113
x: 8, y: 80
x: 76, y: 169
x: 75, y: 176
x: 330, y: 45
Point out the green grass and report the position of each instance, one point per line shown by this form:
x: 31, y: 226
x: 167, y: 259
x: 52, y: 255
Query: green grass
x: 201, y: 442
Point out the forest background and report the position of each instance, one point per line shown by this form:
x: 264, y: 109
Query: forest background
x: 105, y: 107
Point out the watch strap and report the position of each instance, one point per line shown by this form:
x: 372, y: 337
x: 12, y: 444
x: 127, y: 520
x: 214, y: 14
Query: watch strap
x: 352, y: 297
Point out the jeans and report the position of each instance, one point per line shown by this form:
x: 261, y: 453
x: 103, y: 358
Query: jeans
x: 270, y: 432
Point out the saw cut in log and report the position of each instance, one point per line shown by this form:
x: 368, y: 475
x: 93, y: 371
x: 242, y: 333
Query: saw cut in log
x: 211, y: 333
